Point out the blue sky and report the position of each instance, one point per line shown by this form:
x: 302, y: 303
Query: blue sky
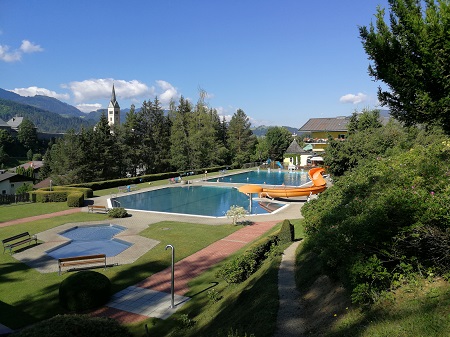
x: 282, y: 62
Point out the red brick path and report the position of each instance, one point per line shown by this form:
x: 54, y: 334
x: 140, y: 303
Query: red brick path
x: 191, y: 267
x: 39, y: 217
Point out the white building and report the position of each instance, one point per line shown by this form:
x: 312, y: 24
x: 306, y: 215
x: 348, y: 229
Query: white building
x: 113, y: 110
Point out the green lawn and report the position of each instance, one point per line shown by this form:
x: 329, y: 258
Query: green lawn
x: 24, y: 210
x: 27, y: 296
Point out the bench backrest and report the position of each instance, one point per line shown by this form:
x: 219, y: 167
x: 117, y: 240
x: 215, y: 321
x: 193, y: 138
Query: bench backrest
x: 83, y: 257
x: 15, y: 237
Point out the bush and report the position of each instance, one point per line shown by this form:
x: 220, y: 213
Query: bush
x: 75, y: 199
x: 286, y: 233
x: 49, y: 196
x: 241, y: 267
x: 76, y: 326
x: 236, y: 212
x: 84, y: 290
x: 88, y: 193
x: 118, y: 212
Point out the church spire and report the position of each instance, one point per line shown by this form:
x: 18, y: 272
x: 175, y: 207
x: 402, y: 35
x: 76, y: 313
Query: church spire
x: 113, y: 98
x: 113, y: 109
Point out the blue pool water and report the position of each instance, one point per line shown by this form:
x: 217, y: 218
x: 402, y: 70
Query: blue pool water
x: 88, y: 240
x: 261, y: 177
x: 195, y: 200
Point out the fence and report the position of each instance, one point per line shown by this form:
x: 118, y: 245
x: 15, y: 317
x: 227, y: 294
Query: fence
x: 14, y: 198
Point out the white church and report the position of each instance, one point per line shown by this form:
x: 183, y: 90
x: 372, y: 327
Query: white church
x: 113, y: 110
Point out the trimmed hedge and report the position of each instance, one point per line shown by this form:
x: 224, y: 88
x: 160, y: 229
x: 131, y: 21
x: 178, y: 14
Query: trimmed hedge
x: 76, y: 326
x: 286, y: 233
x: 88, y: 192
x: 84, y: 290
x: 243, y: 266
x: 74, y: 196
x: 75, y: 199
x: 101, y: 185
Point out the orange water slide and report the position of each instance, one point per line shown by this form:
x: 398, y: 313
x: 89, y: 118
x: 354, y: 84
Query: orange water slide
x: 319, y: 185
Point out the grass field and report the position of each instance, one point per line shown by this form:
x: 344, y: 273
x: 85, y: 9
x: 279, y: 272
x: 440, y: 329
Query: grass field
x: 26, y: 296
x: 24, y: 210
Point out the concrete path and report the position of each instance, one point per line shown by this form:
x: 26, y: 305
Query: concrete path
x: 288, y: 324
x: 151, y: 297
x: 4, y: 330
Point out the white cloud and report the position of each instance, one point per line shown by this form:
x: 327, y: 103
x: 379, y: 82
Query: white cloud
x: 33, y: 91
x: 8, y: 55
x: 29, y: 47
x: 88, y: 107
x: 354, y: 99
x: 101, y: 88
x: 166, y: 92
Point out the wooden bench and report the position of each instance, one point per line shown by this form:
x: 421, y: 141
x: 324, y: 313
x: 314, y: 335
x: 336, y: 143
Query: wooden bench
x: 18, y: 240
x: 97, y: 208
x: 81, y: 260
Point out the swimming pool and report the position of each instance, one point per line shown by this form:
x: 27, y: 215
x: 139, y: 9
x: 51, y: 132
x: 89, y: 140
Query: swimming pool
x: 261, y: 177
x: 194, y: 200
x: 89, y: 240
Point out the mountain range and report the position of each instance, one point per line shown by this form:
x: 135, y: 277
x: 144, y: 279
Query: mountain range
x: 51, y: 115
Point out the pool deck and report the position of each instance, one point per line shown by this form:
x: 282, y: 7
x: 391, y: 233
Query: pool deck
x: 151, y: 297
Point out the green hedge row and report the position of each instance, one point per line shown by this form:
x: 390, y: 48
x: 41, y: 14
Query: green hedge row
x: 101, y: 185
x: 243, y: 266
x: 74, y: 196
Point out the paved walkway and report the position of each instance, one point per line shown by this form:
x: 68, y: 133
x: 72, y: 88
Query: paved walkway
x: 39, y: 217
x: 151, y: 297
x: 289, y: 310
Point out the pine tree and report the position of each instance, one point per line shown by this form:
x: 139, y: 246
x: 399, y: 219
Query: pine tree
x: 241, y: 140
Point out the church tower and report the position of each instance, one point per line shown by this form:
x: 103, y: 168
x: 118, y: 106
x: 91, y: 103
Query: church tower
x: 113, y: 110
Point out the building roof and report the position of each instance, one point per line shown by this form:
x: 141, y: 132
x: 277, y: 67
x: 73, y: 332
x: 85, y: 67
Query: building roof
x: 326, y: 124
x: 36, y: 164
x: 15, y: 122
x: 4, y: 124
x: 294, y: 148
x: 14, y: 177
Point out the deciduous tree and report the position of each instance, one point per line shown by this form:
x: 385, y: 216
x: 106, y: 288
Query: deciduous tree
x: 411, y: 55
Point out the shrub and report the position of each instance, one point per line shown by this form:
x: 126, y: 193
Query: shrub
x: 84, y: 290
x: 76, y: 326
x: 49, y: 196
x: 88, y: 193
x: 75, y: 199
x: 214, y: 296
x: 236, y: 212
x: 241, y: 267
x: 118, y: 212
x: 286, y: 233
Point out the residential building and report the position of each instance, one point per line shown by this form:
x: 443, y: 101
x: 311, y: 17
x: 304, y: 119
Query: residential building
x: 319, y: 129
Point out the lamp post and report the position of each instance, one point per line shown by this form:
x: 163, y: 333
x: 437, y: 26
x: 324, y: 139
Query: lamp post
x: 172, y: 284
x: 51, y: 184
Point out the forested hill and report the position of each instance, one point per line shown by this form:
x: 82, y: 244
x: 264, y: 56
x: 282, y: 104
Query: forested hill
x: 262, y: 130
x: 45, y: 121
x: 42, y: 102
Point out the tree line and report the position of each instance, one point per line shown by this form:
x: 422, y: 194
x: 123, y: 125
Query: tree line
x: 150, y: 140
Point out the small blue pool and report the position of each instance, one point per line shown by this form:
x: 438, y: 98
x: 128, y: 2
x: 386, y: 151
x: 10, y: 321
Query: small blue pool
x: 195, y: 200
x: 266, y: 177
x: 89, y: 240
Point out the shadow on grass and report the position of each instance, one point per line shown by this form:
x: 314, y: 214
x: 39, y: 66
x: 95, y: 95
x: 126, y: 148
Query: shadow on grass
x: 10, y: 315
